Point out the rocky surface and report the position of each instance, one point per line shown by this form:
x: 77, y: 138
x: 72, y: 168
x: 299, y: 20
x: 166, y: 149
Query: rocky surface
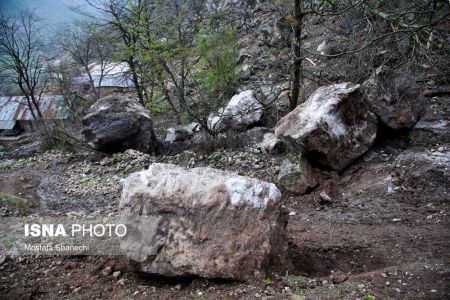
x: 203, y: 222
x: 333, y: 126
x: 183, y: 133
x: 296, y: 175
x: 395, y: 98
x: 117, y: 123
x: 379, y: 228
x: 242, y: 111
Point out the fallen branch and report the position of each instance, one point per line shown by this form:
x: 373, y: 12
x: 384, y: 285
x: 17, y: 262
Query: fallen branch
x: 437, y: 92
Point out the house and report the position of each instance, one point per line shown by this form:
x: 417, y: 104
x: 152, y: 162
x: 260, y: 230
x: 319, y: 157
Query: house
x: 111, y: 77
x: 15, y: 116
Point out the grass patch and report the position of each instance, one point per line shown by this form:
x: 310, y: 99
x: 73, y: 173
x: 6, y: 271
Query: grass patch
x: 92, y: 182
x: 55, y: 140
x: 299, y: 283
x: 338, y: 290
x: 19, y: 203
x: 7, y: 148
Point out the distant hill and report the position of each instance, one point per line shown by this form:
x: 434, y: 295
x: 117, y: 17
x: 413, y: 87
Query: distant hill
x: 54, y: 13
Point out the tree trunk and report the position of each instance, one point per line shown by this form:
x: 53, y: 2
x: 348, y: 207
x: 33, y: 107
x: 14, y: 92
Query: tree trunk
x: 297, y: 76
x: 91, y: 80
x: 136, y: 83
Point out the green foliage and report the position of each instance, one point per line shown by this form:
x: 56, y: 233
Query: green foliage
x: 54, y: 140
x: 19, y: 203
x: 185, y: 119
x: 227, y: 140
x: 161, y: 130
x: 217, y: 72
x: 6, y: 148
x: 369, y: 297
x: 267, y: 281
x: 115, y: 159
x: 157, y: 106
x: 92, y: 182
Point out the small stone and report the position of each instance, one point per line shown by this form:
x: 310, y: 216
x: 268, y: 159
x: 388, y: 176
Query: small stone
x: 121, y: 281
x: 292, y: 213
x: 296, y: 297
x: 76, y: 290
x: 339, y: 277
x: 270, y: 291
x: 116, y: 274
x: 384, y: 275
x: 107, y: 271
x: 325, y: 198
x: 396, y: 220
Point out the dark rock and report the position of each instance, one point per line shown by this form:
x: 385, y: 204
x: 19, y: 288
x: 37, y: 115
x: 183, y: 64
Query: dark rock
x: 180, y: 134
x: 395, y: 98
x: 115, y: 124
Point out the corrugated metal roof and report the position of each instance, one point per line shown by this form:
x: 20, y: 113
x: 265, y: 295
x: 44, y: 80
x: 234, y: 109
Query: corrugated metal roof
x: 108, y: 80
x: 16, y: 108
x: 7, y: 124
x: 114, y: 75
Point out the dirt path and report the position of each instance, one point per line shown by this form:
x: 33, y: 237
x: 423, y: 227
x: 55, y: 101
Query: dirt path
x: 381, y: 228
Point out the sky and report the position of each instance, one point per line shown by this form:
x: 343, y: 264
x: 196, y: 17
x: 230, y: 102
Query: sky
x: 54, y: 13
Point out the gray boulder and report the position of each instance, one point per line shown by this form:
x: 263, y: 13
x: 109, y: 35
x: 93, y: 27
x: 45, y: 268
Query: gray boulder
x: 184, y: 133
x: 116, y: 123
x: 296, y: 175
x: 203, y: 222
x: 333, y: 126
x: 395, y: 98
x: 242, y: 111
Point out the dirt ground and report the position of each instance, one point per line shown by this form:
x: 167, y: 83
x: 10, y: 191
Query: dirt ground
x: 379, y: 230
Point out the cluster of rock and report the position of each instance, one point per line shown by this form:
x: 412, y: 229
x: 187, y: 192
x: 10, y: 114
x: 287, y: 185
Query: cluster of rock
x: 209, y: 223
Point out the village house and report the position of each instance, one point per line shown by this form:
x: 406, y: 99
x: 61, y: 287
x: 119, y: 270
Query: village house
x: 15, y: 115
x: 108, y: 78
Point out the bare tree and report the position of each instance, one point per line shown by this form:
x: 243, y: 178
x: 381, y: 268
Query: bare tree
x: 87, y: 44
x: 118, y: 15
x: 297, y: 74
x: 21, y: 57
x: 359, y: 35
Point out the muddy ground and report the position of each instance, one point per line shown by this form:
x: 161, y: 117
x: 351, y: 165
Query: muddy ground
x: 381, y: 228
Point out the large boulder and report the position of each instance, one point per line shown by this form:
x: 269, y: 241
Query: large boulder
x: 242, y: 111
x: 334, y: 126
x: 395, y: 98
x: 203, y: 222
x: 116, y: 123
